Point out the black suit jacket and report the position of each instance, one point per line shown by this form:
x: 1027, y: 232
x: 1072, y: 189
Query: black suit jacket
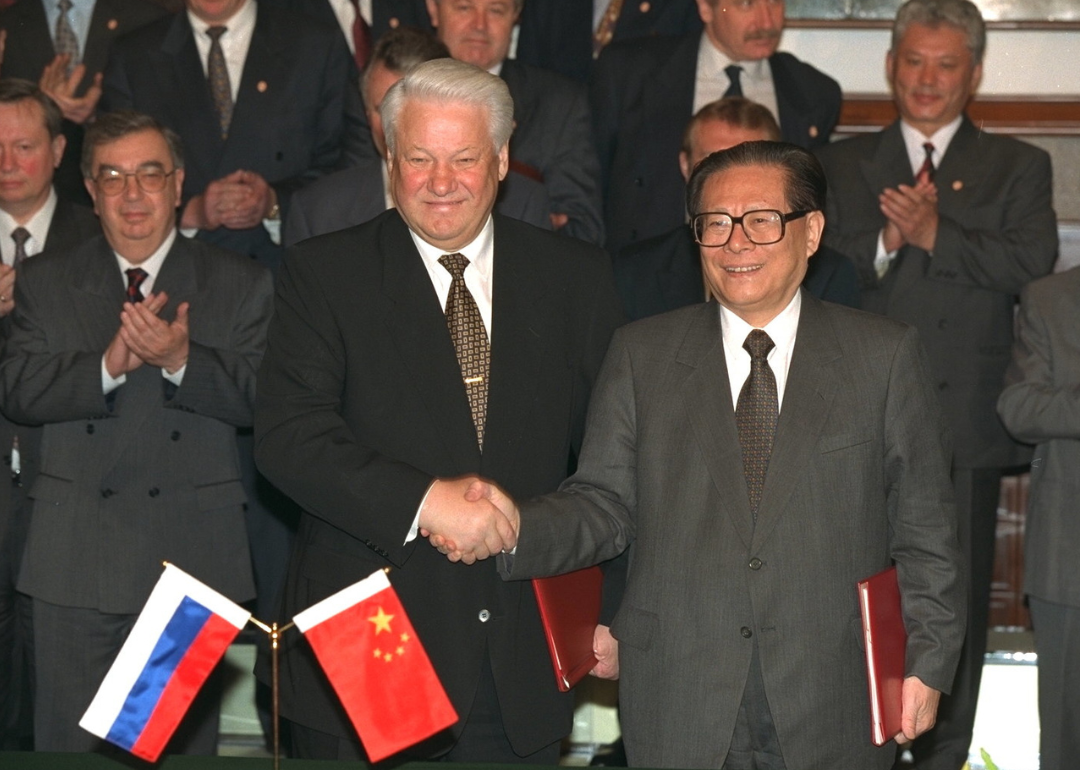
x: 71, y: 225
x: 996, y: 232
x: 642, y: 97
x: 296, y: 117
x: 558, y: 34
x: 664, y: 273
x: 361, y: 405
x: 29, y: 48
x: 388, y: 14
x: 354, y: 195
x: 551, y: 135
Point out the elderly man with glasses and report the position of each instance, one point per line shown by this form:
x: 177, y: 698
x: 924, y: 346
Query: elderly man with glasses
x: 137, y: 351
x: 758, y: 455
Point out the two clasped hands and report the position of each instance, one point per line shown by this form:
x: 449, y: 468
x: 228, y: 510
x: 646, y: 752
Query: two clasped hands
x: 469, y: 519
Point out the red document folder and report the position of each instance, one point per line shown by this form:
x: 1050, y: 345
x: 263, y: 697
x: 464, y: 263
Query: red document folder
x: 886, y: 642
x: 570, y: 609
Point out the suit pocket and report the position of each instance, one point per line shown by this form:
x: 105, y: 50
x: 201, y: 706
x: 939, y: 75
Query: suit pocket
x: 51, y: 489
x: 843, y: 441
x: 635, y: 627
x: 223, y: 494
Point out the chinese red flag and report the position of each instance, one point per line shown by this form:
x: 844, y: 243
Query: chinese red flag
x: 369, y: 651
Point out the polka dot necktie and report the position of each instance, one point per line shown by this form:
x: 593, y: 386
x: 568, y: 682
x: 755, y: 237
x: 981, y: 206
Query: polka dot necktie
x: 756, y: 415
x: 470, y: 340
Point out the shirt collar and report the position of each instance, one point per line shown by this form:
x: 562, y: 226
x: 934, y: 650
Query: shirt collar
x: 478, y: 252
x: 241, y: 23
x: 914, y: 140
x: 717, y: 60
x: 152, y: 264
x: 781, y: 330
x: 37, y: 225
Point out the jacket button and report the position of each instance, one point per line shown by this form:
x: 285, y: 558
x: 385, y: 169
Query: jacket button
x: 175, y: 435
x: 746, y: 632
x: 89, y: 428
x: 484, y: 616
x: 154, y: 492
x: 107, y: 493
x: 755, y: 563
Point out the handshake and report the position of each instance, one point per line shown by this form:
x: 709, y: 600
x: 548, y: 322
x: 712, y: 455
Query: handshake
x: 469, y: 518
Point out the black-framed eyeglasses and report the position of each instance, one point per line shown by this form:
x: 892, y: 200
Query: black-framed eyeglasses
x: 763, y: 226
x: 112, y: 181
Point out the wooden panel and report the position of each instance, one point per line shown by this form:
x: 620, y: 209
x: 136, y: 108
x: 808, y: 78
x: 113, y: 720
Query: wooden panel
x: 866, y: 113
x: 1007, y: 608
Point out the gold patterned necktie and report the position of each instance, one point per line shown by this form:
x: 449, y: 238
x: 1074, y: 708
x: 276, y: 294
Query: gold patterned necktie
x: 756, y: 415
x: 218, y: 75
x: 470, y: 340
x: 66, y: 41
x: 605, y: 30
x: 20, y: 235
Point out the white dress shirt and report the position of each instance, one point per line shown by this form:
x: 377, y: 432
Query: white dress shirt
x: 781, y: 331
x: 914, y: 139
x: 235, y: 42
x: 711, y: 81
x: 152, y: 266
x: 37, y: 226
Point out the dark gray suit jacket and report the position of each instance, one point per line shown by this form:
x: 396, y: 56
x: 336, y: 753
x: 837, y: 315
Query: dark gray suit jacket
x: 642, y: 97
x: 552, y: 136
x: 859, y: 476
x: 1041, y: 405
x: 997, y: 231
x: 150, y: 471
x: 361, y: 405
x: 355, y: 194
x: 297, y: 115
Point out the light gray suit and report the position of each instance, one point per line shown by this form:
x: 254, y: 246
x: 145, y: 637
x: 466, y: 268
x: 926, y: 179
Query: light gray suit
x: 858, y: 477
x: 149, y: 472
x: 1041, y: 405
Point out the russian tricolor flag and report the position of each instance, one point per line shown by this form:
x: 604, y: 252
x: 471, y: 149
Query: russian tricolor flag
x: 181, y: 634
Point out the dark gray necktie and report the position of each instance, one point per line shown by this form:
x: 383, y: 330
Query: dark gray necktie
x: 735, y: 89
x: 20, y: 235
x: 470, y: 340
x: 218, y: 75
x: 65, y: 40
x: 756, y: 415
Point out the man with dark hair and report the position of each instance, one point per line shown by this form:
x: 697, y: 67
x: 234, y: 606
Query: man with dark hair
x: 946, y: 223
x: 435, y: 340
x: 362, y: 192
x: 140, y: 385
x: 664, y: 273
x: 32, y: 218
x: 552, y: 142
x: 758, y: 456
x: 642, y: 91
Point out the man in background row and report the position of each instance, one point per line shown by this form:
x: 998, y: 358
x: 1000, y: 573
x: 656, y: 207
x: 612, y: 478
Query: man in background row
x: 136, y: 351
x: 551, y: 142
x: 643, y: 92
x: 664, y: 273
x: 32, y: 218
x: 361, y: 192
x: 946, y: 223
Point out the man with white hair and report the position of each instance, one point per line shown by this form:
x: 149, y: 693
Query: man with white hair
x: 395, y: 368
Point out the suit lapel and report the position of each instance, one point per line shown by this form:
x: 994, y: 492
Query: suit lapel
x: 889, y: 165
x: 808, y: 397
x: 520, y: 323
x: 416, y: 325
x: 103, y: 21
x: 675, y: 104
x: 706, y: 397
x: 195, y: 117
x: 961, y: 172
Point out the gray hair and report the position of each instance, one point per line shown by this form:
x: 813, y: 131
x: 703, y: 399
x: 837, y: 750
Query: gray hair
x: 15, y: 90
x: 116, y: 125
x: 962, y: 14
x: 451, y: 81
x: 402, y: 50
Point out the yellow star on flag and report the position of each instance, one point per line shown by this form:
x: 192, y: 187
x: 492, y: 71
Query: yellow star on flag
x: 381, y: 621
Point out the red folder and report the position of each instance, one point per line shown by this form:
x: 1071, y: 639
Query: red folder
x: 570, y: 609
x: 886, y: 643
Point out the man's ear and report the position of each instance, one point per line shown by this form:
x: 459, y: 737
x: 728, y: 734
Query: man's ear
x: 815, y: 226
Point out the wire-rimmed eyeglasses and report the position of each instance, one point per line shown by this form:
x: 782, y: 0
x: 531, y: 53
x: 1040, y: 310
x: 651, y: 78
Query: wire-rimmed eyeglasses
x: 112, y: 181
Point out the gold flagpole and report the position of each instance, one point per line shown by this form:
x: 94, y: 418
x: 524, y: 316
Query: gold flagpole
x: 275, y: 689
